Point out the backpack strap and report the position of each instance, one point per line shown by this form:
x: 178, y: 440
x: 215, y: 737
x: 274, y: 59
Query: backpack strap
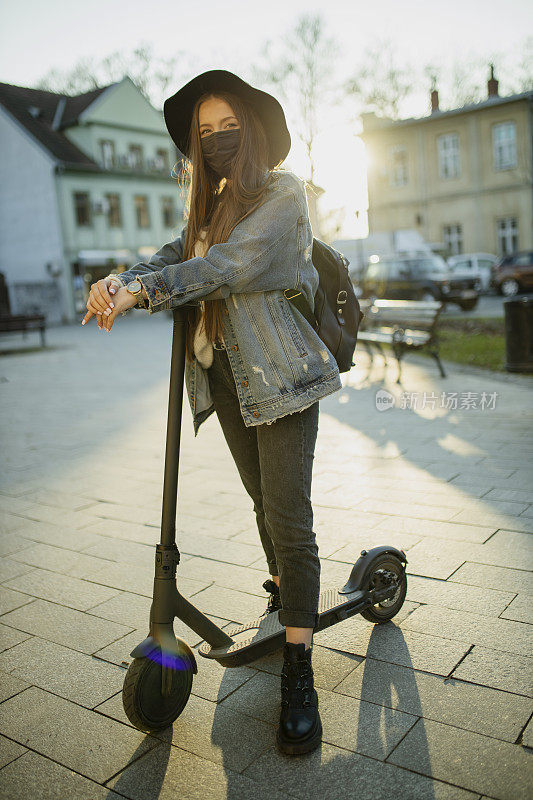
x: 298, y: 300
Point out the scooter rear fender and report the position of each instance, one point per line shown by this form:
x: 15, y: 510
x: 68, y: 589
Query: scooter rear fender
x: 363, y: 564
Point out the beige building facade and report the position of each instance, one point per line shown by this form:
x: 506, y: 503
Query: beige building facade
x: 462, y: 178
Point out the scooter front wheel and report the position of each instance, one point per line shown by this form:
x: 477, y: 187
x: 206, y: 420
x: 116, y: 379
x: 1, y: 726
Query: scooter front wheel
x: 385, y: 568
x: 145, y: 706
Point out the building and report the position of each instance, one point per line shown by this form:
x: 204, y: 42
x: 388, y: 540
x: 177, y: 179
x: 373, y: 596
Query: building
x: 87, y: 189
x: 462, y: 178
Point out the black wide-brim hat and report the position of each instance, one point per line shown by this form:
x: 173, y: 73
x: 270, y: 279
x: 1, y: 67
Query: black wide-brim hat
x: 178, y: 109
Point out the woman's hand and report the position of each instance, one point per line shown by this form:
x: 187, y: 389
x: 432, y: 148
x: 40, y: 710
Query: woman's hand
x: 101, y: 304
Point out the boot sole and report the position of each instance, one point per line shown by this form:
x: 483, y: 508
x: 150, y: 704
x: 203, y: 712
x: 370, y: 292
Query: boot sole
x: 295, y: 747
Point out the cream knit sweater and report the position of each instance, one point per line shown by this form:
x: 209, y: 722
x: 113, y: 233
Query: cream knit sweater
x: 203, y: 349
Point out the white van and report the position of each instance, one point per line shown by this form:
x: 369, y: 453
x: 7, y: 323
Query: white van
x: 474, y: 265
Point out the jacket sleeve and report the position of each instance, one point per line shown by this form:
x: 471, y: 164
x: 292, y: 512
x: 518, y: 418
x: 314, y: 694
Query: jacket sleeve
x: 241, y: 264
x: 170, y: 253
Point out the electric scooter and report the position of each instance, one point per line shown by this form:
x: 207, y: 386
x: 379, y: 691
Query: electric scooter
x: 158, y: 682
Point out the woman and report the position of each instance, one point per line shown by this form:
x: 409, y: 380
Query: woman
x: 250, y: 355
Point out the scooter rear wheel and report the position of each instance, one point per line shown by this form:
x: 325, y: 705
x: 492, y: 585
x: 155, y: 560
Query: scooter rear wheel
x: 145, y: 706
x: 387, y: 609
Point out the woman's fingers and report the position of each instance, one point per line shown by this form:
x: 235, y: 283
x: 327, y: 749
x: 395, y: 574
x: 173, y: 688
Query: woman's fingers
x: 101, y: 296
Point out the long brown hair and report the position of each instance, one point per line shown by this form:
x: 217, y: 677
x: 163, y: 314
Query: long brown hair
x: 216, y: 205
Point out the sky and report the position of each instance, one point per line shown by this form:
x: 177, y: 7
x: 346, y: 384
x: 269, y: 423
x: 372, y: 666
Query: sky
x: 36, y: 36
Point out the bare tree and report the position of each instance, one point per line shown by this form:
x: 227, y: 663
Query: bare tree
x: 152, y: 75
x: 378, y: 83
x: 301, y: 73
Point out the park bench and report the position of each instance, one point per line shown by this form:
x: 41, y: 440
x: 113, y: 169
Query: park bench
x: 402, y: 324
x: 23, y: 322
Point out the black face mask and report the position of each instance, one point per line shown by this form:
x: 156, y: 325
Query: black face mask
x: 219, y: 150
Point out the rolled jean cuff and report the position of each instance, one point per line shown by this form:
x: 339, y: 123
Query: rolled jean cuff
x: 297, y: 619
x: 273, y: 568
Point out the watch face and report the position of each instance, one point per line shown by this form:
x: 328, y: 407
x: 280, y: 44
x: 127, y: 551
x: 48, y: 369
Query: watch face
x: 134, y: 286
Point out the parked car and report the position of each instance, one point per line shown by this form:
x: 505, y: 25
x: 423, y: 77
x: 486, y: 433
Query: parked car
x: 514, y: 273
x: 474, y: 265
x: 423, y: 277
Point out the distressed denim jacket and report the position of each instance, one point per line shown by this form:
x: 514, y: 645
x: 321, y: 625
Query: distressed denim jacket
x: 279, y: 363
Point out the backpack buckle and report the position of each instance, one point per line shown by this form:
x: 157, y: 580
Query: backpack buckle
x: 345, y: 293
x: 292, y: 295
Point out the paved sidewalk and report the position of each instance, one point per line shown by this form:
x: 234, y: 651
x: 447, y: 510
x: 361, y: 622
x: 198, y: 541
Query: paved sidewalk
x: 433, y: 705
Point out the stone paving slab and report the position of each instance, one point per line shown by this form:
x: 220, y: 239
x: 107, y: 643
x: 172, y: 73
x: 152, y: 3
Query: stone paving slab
x: 461, y: 597
x: 34, y: 776
x: 10, y: 599
x: 9, y: 751
x: 227, y: 576
x: 493, y: 713
x: 493, y: 577
x: 230, y: 604
x: 499, y: 634
x: 10, y: 686
x: 63, y: 671
x: 498, y: 669
x: 62, y: 589
x: 207, y: 729
x: 66, y: 626
x: 91, y: 744
x: 470, y: 760
x: 527, y: 736
x: 139, y: 579
x: 10, y: 637
x: 169, y: 772
x: 394, y: 645
x: 333, y: 772
x: 57, y: 559
x: 35, y: 532
x: 520, y: 609
x: 451, y: 530
x: 11, y: 569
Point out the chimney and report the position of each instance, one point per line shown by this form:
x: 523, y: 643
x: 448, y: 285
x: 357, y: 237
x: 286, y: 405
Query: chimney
x: 434, y: 95
x: 492, y: 84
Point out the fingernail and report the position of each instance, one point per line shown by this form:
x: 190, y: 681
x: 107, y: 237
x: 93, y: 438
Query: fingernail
x: 83, y: 322
x: 112, y: 305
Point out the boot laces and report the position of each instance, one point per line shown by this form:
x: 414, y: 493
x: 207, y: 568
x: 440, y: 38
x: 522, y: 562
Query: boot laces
x: 274, y: 601
x: 296, y: 684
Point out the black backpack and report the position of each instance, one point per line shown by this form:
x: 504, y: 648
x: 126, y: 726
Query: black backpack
x: 337, y: 313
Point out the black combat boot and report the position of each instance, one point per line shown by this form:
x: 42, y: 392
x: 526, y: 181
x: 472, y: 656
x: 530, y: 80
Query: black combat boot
x: 274, y: 601
x: 300, y: 727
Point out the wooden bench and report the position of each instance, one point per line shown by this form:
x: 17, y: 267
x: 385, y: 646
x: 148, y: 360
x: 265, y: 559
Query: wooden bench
x: 23, y: 322
x: 402, y: 324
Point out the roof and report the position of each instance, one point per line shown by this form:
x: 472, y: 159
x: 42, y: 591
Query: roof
x: 372, y: 122
x: 46, y: 114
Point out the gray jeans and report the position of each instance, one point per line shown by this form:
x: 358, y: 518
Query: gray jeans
x: 275, y: 463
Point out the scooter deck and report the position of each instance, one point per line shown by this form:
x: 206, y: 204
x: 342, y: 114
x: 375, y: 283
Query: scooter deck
x: 266, y: 634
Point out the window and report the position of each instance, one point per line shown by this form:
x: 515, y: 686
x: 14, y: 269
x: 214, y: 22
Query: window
x: 161, y: 157
x: 141, y: 211
x: 453, y: 239
x: 82, y: 209
x: 448, y: 153
x: 507, y: 235
x: 107, y: 149
x: 504, y: 145
x: 168, y: 212
x: 114, y: 215
x: 136, y: 156
x: 398, y: 173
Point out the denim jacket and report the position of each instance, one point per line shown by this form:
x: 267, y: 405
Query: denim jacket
x: 279, y: 363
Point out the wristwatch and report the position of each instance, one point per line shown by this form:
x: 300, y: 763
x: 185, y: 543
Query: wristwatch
x: 135, y: 288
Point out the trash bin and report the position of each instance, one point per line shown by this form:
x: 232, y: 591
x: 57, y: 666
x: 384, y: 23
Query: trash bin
x: 519, y: 333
